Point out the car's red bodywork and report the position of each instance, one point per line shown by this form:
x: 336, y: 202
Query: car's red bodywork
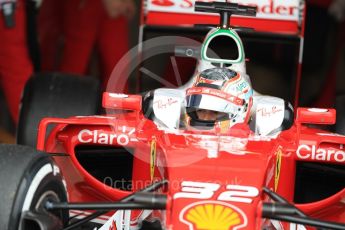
x: 215, y: 179
x: 221, y: 174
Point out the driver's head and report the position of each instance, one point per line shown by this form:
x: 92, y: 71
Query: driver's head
x: 219, y: 94
x: 209, y: 115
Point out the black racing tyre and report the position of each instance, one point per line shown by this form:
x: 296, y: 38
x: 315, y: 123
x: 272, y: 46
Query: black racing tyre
x: 28, y: 179
x: 55, y: 95
x: 340, y: 107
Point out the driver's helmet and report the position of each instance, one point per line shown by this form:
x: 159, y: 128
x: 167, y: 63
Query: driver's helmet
x: 219, y: 95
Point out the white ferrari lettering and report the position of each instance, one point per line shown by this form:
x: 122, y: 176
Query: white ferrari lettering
x: 97, y: 137
x: 306, y: 152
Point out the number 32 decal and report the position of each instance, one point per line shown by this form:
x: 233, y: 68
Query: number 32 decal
x: 201, y: 190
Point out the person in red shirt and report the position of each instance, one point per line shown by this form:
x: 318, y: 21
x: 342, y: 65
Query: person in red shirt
x: 15, y: 63
x: 84, y: 25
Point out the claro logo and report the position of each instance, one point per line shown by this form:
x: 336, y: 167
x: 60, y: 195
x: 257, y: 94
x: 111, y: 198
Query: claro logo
x: 98, y: 137
x: 306, y: 152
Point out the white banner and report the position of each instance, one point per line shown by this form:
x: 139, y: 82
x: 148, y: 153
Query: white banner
x: 267, y: 9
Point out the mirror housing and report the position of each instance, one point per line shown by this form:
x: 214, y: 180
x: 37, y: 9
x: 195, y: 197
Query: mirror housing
x: 316, y: 116
x: 121, y: 101
x: 229, y: 35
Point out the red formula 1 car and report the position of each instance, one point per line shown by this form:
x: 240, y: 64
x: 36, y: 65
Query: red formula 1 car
x: 146, y: 165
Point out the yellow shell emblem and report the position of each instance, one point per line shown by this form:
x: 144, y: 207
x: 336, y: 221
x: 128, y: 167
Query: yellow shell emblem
x: 213, y: 216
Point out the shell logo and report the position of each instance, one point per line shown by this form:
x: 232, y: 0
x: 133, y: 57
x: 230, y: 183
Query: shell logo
x: 213, y: 215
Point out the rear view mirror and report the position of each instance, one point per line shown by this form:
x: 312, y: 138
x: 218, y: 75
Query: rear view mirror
x: 316, y: 116
x: 121, y: 101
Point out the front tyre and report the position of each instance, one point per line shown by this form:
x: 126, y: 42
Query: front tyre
x: 27, y: 180
x: 55, y: 95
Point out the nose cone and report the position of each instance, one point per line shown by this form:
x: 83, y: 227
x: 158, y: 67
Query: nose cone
x: 207, y: 191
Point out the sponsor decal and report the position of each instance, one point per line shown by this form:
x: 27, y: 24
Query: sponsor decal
x: 163, y: 104
x: 167, y: 107
x: 269, y: 115
x: 213, y: 215
x: 306, y: 152
x: 202, y: 190
x: 268, y: 9
x: 242, y: 87
x: 217, y: 93
x: 152, y: 158
x: 105, y: 138
x: 279, y: 154
x: 56, y: 170
x: 268, y: 112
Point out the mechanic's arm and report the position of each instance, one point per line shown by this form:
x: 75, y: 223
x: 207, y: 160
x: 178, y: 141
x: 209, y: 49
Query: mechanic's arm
x: 116, y: 8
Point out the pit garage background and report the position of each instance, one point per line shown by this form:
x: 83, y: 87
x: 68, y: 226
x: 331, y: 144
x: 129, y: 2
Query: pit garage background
x: 272, y: 57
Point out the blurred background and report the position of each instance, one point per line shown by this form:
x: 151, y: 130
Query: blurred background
x: 89, y: 37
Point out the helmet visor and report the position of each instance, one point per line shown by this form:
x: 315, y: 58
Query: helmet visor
x: 209, y: 102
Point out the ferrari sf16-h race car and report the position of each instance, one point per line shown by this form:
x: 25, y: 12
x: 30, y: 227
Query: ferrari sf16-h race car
x: 146, y: 165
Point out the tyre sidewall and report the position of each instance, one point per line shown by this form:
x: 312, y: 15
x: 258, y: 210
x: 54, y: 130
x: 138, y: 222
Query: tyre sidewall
x: 41, y: 176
